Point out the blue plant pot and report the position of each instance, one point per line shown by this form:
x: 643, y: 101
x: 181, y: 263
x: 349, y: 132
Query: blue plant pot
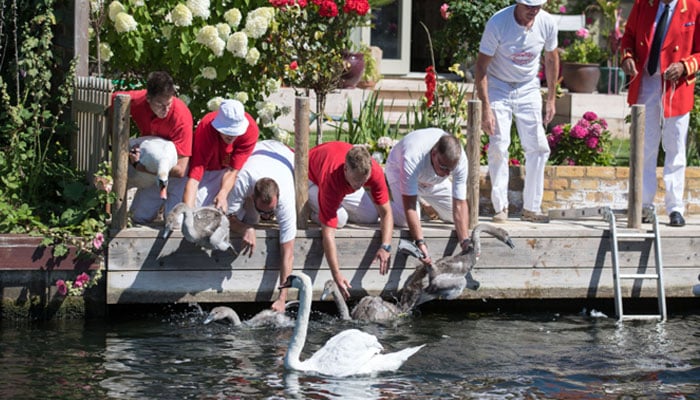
x: 612, y: 80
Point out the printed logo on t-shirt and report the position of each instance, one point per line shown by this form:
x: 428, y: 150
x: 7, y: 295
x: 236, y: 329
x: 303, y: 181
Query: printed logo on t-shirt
x: 522, y: 58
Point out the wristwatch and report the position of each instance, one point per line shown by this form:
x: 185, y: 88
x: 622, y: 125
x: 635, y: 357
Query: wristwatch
x: 386, y: 247
x: 419, y: 242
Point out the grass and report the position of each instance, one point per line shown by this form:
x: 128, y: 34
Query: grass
x: 621, y: 149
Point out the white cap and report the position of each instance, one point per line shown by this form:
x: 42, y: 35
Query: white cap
x: 231, y: 120
x: 531, y: 2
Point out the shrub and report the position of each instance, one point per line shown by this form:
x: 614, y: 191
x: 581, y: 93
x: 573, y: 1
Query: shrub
x: 585, y: 143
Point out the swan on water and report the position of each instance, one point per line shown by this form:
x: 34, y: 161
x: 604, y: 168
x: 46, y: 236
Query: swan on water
x: 369, y: 308
x: 447, y: 277
x: 267, y: 317
x: 207, y: 227
x: 158, y: 156
x: 350, y: 352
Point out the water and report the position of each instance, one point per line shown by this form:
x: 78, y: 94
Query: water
x: 491, y: 356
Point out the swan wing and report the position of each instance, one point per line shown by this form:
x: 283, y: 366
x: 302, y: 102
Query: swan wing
x: 270, y: 318
x: 374, y: 309
x: 344, y: 354
x: 207, y: 220
x: 389, y: 361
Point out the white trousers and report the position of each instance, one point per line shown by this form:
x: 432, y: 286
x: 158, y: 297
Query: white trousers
x: 438, y: 196
x: 522, y: 102
x: 147, y: 201
x: 356, y: 207
x: 671, y: 133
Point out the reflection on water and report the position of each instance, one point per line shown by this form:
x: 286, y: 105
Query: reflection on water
x: 491, y: 356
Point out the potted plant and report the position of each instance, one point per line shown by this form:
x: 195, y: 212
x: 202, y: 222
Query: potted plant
x: 581, y: 63
x: 371, y: 73
x: 612, y: 78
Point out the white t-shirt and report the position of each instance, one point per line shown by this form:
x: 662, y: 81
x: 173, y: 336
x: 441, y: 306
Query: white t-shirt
x: 270, y: 159
x: 516, y: 50
x: 409, y: 162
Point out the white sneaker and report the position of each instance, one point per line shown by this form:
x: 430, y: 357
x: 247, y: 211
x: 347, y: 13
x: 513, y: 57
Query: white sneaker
x: 501, y: 217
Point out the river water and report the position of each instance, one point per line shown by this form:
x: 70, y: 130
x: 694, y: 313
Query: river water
x: 499, y: 355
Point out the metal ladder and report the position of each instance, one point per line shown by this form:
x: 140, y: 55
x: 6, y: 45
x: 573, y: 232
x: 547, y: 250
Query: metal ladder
x: 658, y: 275
x: 609, y: 215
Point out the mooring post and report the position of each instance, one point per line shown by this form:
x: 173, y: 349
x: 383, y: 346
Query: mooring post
x: 634, y: 203
x: 474, y: 156
x: 120, y: 157
x: 301, y: 160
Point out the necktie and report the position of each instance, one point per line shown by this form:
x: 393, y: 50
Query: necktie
x: 653, y: 63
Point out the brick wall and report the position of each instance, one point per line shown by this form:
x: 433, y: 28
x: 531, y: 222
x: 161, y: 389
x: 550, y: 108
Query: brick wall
x: 576, y: 187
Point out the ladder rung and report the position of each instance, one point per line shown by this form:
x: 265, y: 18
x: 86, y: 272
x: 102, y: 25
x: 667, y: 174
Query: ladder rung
x: 636, y: 235
x: 640, y: 316
x: 639, y: 276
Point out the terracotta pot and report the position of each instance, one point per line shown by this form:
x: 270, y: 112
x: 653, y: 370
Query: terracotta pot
x: 354, y: 66
x: 580, y: 78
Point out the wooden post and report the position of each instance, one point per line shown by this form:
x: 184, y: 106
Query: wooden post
x: 301, y: 159
x: 474, y: 156
x: 120, y: 157
x: 634, y: 202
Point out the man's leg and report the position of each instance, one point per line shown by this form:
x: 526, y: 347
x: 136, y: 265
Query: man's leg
x: 360, y: 207
x: 440, y: 198
x: 498, y: 145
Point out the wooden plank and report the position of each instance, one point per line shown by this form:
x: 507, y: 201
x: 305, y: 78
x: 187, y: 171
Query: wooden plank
x: 21, y: 252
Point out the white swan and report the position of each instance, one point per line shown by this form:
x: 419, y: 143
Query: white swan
x: 350, y: 352
x: 267, y: 317
x: 447, y: 277
x: 369, y: 308
x: 207, y: 227
x: 158, y: 156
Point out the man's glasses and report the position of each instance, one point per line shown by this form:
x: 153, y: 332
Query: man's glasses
x: 265, y: 214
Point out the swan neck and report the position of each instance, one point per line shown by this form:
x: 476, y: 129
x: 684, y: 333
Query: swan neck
x: 341, y: 304
x: 188, y: 224
x: 296, y: 344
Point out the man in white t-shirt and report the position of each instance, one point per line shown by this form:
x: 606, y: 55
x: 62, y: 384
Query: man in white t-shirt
x: 264, y: 189
x: 419, y: 165
x: 508, y: 87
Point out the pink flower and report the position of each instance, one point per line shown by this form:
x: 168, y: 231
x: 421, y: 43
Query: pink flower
x: 596, y: 129
x: 562, y: 9
x: 570, y: 161
x: 514, y: 161
x: 61, y: 287
x: 566, y: 42
x: 98, y: 240
x: 82, y: 278
x: 578, y: 132
x: 558, y: 130
x: 582, y: 33
x: 443, y: 11
x: 328, y: 9
x: 592, y: 142
x: 293, y: 65
x: 590, y: 116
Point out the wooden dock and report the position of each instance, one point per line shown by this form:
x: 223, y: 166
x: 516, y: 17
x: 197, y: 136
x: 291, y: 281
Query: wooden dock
x: 565, y: 259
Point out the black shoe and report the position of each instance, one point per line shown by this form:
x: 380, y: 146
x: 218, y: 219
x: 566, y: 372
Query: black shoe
x: 676, y: 219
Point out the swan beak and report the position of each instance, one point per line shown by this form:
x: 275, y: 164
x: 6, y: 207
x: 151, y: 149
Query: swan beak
x: 210, y: 318
x: 166, y: 233
x: 510, y: 243
x: 163, y: 184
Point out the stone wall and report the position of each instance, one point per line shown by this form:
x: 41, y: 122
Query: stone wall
x: 577, y: 187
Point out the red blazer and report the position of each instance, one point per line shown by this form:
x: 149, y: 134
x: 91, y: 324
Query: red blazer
x: 681, y: 44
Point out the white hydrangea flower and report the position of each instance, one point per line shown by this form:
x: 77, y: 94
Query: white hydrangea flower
x: 214, y: 103
x: 253, y: 56
x: 233, y: 17
x: 238, y: 44
x: 209, y: 36
x: 266, y: 13
x: 199, y: 8
x: 280, y: 134
x: 209, y: 73
x: 105, y: 51
x: 138, y: 3
x: 181, y: 15
x: 266, y: 111
x: 224, y: 30
x: 96, y: 5
x: 385, y: 142
x: 124, y: 23
x: 272, y: 85
x: 115, y: 8
x: 241, y: 96
x: 185, y: 99
x: 167, y: 31
x: 257, y: 22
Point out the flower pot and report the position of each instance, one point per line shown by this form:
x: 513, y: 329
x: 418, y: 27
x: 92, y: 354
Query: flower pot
x: 612, y: 80
x: 580, y: 78
x: 354, y: 66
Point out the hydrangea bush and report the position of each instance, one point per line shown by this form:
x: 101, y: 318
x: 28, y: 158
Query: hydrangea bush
x: 585, y: 143
x: 213, y: 50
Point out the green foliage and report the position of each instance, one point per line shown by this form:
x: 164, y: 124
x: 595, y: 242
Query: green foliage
x: 460, y: 38
x: 693, y: 143
x: 584, y: 51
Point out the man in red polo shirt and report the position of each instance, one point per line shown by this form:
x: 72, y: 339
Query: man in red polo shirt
x: 158, y: 112
x: 223, y: 141
x: 338, y: 171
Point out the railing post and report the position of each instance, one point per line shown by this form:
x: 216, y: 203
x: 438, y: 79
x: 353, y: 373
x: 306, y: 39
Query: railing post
x: 634, y: 205
x: 474, y: 156
x: 120, y: 157
x: 301, y: 159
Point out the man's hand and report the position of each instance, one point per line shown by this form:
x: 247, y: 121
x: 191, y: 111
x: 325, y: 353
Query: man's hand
x: 384, y: 257
x: 674, y: 72
x: 220, y: 202
x: 248, y: 241
x: 488, y: 121
x: 550, y: 111
x: 279, y: 305
x: 343, y: 285
x: 629, y: 67
x: 424, y: 248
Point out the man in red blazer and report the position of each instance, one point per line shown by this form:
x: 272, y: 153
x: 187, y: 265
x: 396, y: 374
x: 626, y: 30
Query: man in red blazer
x: 665, y: 85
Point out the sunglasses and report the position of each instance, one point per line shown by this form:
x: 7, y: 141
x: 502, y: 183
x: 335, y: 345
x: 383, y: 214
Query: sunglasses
x: 265, y: 214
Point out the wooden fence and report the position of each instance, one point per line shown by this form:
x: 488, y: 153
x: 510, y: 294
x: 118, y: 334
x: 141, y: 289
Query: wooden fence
x: 90, y: 143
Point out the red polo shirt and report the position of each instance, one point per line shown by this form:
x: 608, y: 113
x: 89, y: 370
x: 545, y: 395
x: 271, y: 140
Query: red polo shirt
x: 210, y: 153
x: 326, y: 164
x: 176, y: 126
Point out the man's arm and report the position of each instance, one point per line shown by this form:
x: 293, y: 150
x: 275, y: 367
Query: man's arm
x: 247, y: 233
x: 386, y: 221
x: 286, y: 263
x: 190, y: 195
x: 227, y: 182
x: 414, y: 226
x: 329, y: 249
x: 551, y: 62
x: 180, y: 168
x: 488, y: 122
x: 460, y: 214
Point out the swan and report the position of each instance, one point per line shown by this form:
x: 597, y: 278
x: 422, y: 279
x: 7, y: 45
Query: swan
x: 350, y: 352
x: 207, y: 227
x: 447, y: 277
x: 263, y: 318
x: 369, y: 308
x: 158, y: 156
